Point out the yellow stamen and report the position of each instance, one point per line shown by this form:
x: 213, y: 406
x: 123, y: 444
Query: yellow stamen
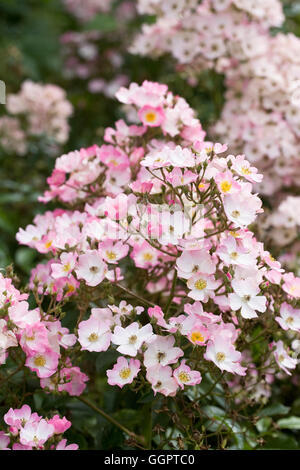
x: 150, y: 116
x: 111, y: 255
x: 246, y: 171
x: 226, y: 186
x: 29, y: 338
x: 197, y: 337
x: 125, y: 373
x: 39, y: 361
x: 148, y: 256
x: 200, y: 284
x: 67, y: 267
x: 184, y: 377
x: 71, y: 288
x: 132, y: 339
x: 220, y: 357
x: 93, y: 337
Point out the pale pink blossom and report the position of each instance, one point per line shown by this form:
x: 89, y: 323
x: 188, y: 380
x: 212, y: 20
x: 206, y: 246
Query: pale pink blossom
x: 123, y: 372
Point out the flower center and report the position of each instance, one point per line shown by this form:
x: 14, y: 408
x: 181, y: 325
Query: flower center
x: 132, y: 339
x: 148, y: 256
x: 197, y: 337
x: 161, y: 356
x: 111, y: 255
x: 234, y: 234
x: 235, y: 214
x: 67, y: 267
x: 290, y: 320
x: 200, y: 284
x: 29, y: 338
x: 125, y: 373
x: 220, y: 356
x: 246, y: 171
x: 226, y: 186
x: 94, y: 269
x: 234, y: 255
x: 71, y: 288
x: 184, y: 377
x: 93, y: 337
x: 150, y: 116
x: 39, y: 361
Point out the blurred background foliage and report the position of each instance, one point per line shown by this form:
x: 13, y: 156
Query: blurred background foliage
x: 30, y: 48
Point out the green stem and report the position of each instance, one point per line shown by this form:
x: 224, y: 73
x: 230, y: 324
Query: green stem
x: 148, y: 425
x: 172, y: 292
x: 212, y: 387
x: 139, y: 439
x: 12, y: 374
x: 133, y: 294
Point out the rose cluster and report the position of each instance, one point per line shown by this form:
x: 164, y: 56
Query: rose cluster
x: 39, y: 339
x: 154, y: 246
x: 261, y: 112
x: 85, y: 11
x: 29, y: 431
x: 37, y: 111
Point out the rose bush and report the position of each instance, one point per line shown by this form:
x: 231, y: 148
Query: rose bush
x: 151, y: 254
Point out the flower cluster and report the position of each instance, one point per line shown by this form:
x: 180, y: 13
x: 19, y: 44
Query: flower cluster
x: 42, y: 110
x: 212, y: 33
x: 267, y: 88
x: 83, y: 61
x: 97, y: 57
x: 261, y: 114
x: 40, y: 340
x: 177, y: 209
x: 12, y: 136
x: 85, y: 11
x: 29, y: 431
x: 280, y: 227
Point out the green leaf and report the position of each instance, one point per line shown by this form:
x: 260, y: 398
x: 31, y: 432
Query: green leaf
x: 213, y: 411
x: 275, y: 409
x: 24, y: 258
x: 263, y: 424
x: 280, y: 441
x: 38, y: 400
x: 293, y: 422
